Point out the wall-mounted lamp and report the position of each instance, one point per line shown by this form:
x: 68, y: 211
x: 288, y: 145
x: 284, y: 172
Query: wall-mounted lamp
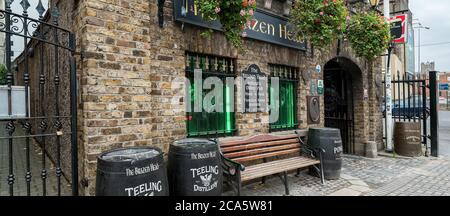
x: 161, y: 12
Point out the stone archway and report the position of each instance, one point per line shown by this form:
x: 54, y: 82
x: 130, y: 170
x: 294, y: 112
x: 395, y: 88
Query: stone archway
x: 344, y: 95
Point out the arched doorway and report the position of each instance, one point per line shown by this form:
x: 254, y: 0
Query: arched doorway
x: 342, y: 81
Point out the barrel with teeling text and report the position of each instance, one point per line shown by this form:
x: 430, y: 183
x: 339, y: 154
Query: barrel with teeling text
x: 194, y: 168
x: 138, y: 171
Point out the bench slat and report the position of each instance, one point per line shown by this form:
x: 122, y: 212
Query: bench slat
x: 259, y: 145
x: 298, y: 162
x: 257, y: 139
x: 266, y: 155
x: 261, y: 151
x: 271, y: 168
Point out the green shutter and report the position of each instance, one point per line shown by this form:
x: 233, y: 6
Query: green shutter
x: 287, y: 109
x: 204, y: 123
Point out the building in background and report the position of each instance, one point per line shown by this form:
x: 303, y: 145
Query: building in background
x: 444, y: 93
x: 402, y: 56
x: 404, y: 53
x: 426, y: 68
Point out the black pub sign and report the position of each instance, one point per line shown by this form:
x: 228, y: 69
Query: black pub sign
x: 255, y: 89
x: 265, y: 26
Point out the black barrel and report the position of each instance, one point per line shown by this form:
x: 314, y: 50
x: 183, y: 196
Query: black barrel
x: 136, y: 171
x: 194, y: 168
x: 330, y: 140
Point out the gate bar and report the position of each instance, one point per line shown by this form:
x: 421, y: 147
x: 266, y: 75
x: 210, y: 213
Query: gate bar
x: 404, y: 99
x: 10, y: 79
x: 424, y: 115
x: 74, y: 113
x: 434, y: 113
x: 26, y: 124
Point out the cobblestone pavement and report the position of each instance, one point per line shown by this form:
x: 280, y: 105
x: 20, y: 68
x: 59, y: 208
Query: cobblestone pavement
x: 368, y: 177
x: 432, y: 179
x: 19, y: 167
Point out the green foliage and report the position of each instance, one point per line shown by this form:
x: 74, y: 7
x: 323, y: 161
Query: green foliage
x: 234, y: 15
x: 321, y: 21
x: 3, y: 71
x: 369, y: 34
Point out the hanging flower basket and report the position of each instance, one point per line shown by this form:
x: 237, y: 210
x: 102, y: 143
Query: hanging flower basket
x: 320, y: 21
x: 369, y: 34
x: 232, y: 14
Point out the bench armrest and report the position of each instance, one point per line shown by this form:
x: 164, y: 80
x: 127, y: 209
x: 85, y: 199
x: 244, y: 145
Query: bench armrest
x: 313, y: 152
x: 230, y: 164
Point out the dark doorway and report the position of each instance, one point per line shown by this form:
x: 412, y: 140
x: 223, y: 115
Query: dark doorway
x: 339, y: 103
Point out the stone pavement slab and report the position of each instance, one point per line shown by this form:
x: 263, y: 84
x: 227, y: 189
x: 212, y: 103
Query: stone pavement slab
x: 346, y: 192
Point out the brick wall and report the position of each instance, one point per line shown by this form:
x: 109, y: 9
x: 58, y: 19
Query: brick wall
x: 127, y: 65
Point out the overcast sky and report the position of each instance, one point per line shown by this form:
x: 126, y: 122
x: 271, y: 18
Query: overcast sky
x: 436, y: 15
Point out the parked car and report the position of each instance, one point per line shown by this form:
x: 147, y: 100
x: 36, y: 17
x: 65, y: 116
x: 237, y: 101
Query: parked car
x: 409, y: 108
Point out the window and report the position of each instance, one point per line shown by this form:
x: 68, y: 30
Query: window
x: 287, y: 100
x: 207, y: 123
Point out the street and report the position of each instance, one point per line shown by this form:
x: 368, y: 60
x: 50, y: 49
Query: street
x: 444, y: 133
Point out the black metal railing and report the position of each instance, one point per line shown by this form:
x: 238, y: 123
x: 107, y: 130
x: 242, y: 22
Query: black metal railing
x: 410, y: 103
x: 340, y: 105
x: 347, y: 128
x: 46, y: 71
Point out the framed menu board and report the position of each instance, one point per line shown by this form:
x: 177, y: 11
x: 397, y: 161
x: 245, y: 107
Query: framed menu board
x: 255, y: 86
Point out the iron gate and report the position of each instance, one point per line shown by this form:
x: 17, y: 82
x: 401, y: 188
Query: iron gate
x: 410, y: 103
x: 339, y: 106
x: 38, y: 147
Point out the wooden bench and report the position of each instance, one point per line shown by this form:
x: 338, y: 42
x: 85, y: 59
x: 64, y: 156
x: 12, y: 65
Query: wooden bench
x: 268, y: 155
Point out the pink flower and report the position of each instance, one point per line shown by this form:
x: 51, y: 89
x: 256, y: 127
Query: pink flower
x: 251, y: 12
x: 242, y: 13
x: 217, y: 10
x: 321, y: 13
